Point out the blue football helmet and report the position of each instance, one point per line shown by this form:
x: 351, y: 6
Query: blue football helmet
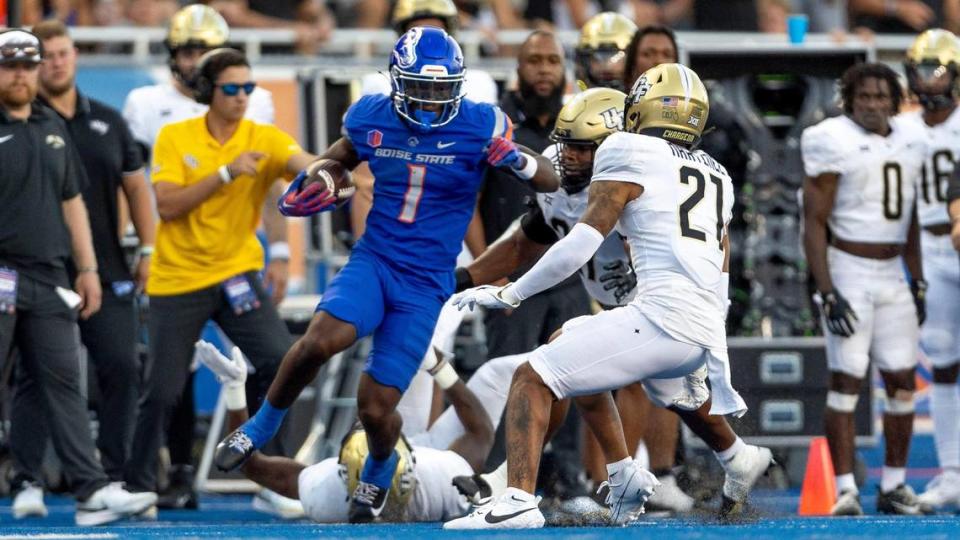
x: 426, y: 74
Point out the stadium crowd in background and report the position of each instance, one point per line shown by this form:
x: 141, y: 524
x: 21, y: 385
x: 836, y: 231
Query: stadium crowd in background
x: 213, y: 168
x: 314, y: 21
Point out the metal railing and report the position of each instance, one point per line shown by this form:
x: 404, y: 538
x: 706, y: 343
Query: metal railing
x: 143, y: 43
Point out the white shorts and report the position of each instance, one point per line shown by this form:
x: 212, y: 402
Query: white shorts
x: 940, y: 334
x: 886, y: 329
x: 610, y: 350
x: 687, y: 393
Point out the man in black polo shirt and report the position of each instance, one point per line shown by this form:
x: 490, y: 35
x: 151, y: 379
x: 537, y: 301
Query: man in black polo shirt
x: 112, y: 160
x: 42, y: 222
x: 533, y: 109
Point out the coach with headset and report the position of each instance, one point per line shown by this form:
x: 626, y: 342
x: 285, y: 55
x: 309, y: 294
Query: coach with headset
x: 211, y: 175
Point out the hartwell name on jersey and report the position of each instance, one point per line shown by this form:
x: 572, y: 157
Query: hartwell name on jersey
x: 700, y: 158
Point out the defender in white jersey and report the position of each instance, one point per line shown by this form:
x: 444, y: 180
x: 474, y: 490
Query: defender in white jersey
x: 859, y: 197
x: 932, y: 72
x: 422, y: 488
x: 581, y: 126
x: 672, y: 204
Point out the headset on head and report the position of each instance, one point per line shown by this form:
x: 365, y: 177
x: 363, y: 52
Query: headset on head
x: 203, y: 85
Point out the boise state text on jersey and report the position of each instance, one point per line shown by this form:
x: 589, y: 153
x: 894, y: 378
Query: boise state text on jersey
x: 426, y: 183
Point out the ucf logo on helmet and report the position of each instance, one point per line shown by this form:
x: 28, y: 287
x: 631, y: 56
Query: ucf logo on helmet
x: 612, y: 118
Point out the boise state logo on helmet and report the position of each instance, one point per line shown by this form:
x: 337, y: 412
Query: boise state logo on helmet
x: 406, y: 52
x: 426, y: 75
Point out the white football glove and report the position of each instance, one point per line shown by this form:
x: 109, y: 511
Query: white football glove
x: 488, y: 296
x: 229, y: 371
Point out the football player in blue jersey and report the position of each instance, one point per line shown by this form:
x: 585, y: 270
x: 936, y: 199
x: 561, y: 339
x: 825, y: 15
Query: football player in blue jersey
x: 428, y: 149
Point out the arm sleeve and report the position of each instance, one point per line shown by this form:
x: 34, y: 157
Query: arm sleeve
x: 560, y: 261
x: 167, y: 162
x: 535, y: 226
x: 821, y: 154
x: 132, y: 153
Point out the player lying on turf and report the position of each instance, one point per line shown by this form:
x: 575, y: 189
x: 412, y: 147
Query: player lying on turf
x: 581, y: 126
x: 421, y: 487
x: 672, y: 203
x: 428, y: 149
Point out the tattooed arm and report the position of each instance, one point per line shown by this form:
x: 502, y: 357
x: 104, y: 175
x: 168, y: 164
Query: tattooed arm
x: 606, y: 202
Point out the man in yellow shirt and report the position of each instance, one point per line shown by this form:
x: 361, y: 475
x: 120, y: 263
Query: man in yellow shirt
x: 211, y: 175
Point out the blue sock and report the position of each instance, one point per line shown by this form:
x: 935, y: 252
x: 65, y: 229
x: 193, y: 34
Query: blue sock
x: 380, y: 473
x: 264, y: 425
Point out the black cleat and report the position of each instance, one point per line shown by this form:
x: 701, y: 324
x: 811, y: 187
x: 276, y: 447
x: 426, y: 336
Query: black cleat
x: 233, y: 451
x: 180, y: 494
x: 367, y: 503
x: 474, y: 488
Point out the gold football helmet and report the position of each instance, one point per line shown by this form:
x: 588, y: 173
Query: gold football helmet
x: 197, y: 25
x: 668, y: 101
x: 932, y: 68
x: 410, y: 10
x: 584, y: 122
x: 601, y: 50
x: 353, y: 454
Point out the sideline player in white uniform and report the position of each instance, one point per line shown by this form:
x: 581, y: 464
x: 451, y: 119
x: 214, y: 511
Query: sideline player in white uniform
x: 193, y: 31
x: 932, y: 72
x: 478, y: 85
x: 581, y: 126
x: 673, y: 206
x: 859, y: 193
x: 422, y: 487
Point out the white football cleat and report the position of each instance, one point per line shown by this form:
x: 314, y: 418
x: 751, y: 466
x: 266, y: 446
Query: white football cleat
x: 943, y: 491
x: 111, y: 503
x: 29, y: 502
x: 743, y: 471
x: 513, y: 510
x: 629, y: 490
x: 669, y: 497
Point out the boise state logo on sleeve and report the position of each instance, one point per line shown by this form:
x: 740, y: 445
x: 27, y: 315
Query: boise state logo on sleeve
x: 407, y: 53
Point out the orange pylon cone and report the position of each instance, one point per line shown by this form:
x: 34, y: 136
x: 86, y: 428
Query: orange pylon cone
x: 819, y: 491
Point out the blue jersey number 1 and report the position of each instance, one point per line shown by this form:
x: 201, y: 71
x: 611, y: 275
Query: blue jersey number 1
x: 411, y: 199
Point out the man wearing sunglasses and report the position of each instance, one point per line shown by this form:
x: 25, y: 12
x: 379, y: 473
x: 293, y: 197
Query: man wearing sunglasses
x: 43, y: 224
x: 211, y: 175
x: 193, y: 31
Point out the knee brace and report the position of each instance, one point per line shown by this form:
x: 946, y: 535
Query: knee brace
x: 845, y: 403
x: 901, y: 403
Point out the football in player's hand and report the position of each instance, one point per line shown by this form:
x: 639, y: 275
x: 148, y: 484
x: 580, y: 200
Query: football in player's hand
x: 334, y: 175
